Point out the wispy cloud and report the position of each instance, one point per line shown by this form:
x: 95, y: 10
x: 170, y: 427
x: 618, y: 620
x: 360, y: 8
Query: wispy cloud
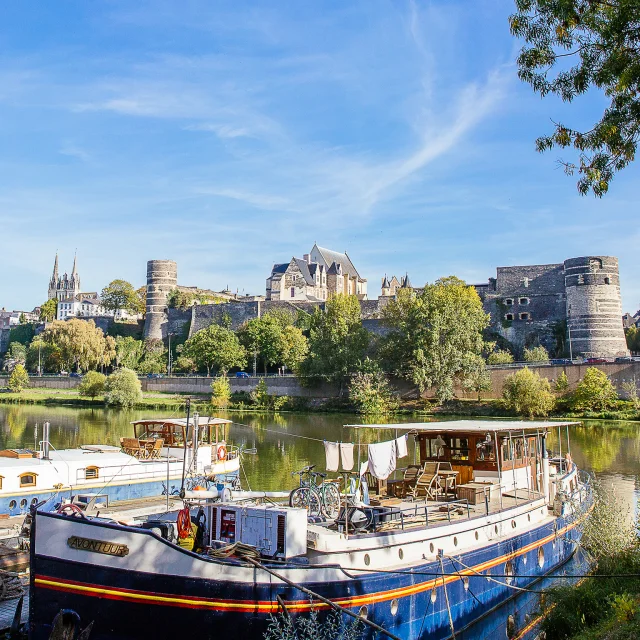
x: 74, y: 151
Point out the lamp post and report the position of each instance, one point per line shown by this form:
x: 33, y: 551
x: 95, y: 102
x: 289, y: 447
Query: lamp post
x: 169, y: 368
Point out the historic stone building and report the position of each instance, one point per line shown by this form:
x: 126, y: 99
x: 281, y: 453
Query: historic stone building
x: 314, y: 277
x: 389, y: 288
x: 573, y: 307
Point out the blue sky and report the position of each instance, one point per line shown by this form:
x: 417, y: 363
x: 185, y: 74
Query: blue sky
x: 229, y: 136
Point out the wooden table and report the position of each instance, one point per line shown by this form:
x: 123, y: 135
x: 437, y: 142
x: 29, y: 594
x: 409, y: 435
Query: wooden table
x: 449, y: 480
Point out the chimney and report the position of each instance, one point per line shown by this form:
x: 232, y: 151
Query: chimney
x: 307, y: 258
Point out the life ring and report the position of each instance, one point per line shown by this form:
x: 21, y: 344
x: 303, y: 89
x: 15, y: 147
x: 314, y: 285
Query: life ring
x: 222, y: 452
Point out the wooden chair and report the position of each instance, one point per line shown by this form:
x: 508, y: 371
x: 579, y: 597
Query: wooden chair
x: 154, y: 451
x: 403, y: 488
x: 427, y: 483
x: 132, y: 447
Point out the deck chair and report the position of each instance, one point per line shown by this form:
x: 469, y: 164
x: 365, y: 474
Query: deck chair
x: 403, y: 488
x: 427, y: 483
x: 132, y: 447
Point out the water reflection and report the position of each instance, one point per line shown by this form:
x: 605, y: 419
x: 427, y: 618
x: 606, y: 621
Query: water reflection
x: 287, y: 442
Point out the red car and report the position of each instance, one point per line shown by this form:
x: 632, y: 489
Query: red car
x: 596, y: 361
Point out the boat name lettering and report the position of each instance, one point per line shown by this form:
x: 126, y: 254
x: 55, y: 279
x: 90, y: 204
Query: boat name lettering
x: 98, y: 546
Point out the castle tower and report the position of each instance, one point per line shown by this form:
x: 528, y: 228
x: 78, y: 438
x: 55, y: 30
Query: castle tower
x: 53, y: 283
x: 162, y: 277
x: 594, y: 308
x: 386, y: 287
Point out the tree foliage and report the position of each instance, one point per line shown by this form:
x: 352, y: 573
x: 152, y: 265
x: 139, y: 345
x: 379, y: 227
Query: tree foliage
x: 49, y: 310
x: 82, y: 345
x: 215, y: 347
x: 17, y: 351
x: 333, y: 627
x: 122, y: 388
x: 572, y: 46
x: 526, y: 393
x: 22, y: 333
x: 19, y: 378
x: 594, y: 392
x: 141, y: 300
x: 632, y: 334
x: 370, y: 392
x: 129, y: 352
x: 500, y: 356
x: 562, y: 383
x: 92, y: 384
x: 337, y: 340
x: 44, y: 353
x: 536, y: 354
x: 118, y: 295
x: 154, y: 357
x: 435, y: 336
x: 221, y: 392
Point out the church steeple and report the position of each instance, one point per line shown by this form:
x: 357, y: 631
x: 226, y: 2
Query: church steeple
x: 54, y: 277
x: 53, y: 283
x: 74, y: 271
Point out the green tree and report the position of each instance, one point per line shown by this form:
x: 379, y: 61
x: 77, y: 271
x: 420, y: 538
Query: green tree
x: 141, y: 300
x: 155, y: 357
x: 17, y: 351
x: 44, y: 354
x: 129, y: 352
x: 562, y: 383
x: 120, y: 295
x: 526, y: 393
x: 536, y: 354
x: 92, y: 384
x: 216, y: 347
x: 478, y: 379
x: 82, y: 345
x: 49, y: 310
x: 184, y: 364
x: 594, y: 392
x: 294, y: 347
x: 19, y: 379
x: 435, y: 336
x: 260, y: 395
x: 630, y: 389
x: 632, y: 335
x: 500, y: 356
x: 571, y: 47
x: 337, y: 340
x: 370, y: 392
x: 221, y: 392
x: 22, y: 333
x: 122, y: 388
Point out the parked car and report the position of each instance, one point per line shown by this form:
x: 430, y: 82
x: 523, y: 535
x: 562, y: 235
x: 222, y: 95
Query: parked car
x: 75, y: 374
x: 624, y: 359
x: 596, y: 361
x: 561, y: 361
x: 155, y: 375
x: 242, y: 374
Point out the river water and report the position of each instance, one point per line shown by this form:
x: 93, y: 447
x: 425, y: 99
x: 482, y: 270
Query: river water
x: 286, y: 442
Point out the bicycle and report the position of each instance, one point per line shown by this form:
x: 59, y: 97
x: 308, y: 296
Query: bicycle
x: 323, y: 498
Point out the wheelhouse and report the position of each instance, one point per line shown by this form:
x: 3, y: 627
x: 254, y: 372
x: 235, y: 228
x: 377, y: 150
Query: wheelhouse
x: 174, y: 432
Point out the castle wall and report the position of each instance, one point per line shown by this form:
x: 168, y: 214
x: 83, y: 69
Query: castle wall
x: 162, y: 277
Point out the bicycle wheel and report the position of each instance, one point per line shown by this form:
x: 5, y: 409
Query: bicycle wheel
x: 305, y: 498
x: 331, y: 500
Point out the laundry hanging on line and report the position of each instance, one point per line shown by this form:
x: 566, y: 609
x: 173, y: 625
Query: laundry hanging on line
x: 382, y: 459
x: 401, y: 444
x: 332, y: 454
x: 346, y: 453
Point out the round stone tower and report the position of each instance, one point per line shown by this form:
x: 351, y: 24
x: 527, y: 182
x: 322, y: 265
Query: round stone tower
x: 594, y: 307
x: 162, y: 277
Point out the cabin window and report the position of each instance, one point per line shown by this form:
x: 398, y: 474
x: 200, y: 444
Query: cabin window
x: 459, y: 449
x: 91, y: 473
x: 435, y: 447
x: 485, y: 450
x: 27, y: 479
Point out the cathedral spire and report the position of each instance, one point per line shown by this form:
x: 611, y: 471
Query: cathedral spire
x: 54, y: 277
x: 74, y: 272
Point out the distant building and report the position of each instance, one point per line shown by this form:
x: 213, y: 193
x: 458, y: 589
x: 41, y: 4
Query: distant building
x: 315, y: 277
x: 390, y: 288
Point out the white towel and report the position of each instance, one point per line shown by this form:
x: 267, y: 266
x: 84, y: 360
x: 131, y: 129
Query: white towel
x: 401, y: 443
x: 382, y: 459
x: 364, y: 467
x: 332, y: 453
x: 346, y: 452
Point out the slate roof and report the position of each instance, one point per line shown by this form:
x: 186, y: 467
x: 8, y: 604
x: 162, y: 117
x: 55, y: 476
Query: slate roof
x: 385, y: 282
x: 342, y: 259
x: 280, y: 268
x: 304, y: 269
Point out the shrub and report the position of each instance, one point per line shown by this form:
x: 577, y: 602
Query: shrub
x: 562, y: 383
x: 260, y: 395
x: 19, y: 378
x: 122, y: 388
x: 594, y: 392
x: 630, y: 388
x: 333, y: 627
x: 92, y: 384
x: 369, y: 390
x: 527, y: 394
x: 536, y: 354
x: 500, y: 356
x: 221, y: 395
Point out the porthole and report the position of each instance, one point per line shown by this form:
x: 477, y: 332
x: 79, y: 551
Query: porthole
x: 400, y: 554
x: 431, y: 548
x: 477, y: 536
x: 541, y: 557
x: 34, y: 502
x: 367, y: 559
x: 465, y: 583
x: 364, y: 612
x: 511, y: 627
x: 508, y: 572
x: 13, y: 504
x: 455, y: 541
x: 513, y: 524
x: 434, y: 596
x: 394, y: 606
x: 23, y: 503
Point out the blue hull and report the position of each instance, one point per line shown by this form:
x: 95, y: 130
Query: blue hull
x: 127, y: 604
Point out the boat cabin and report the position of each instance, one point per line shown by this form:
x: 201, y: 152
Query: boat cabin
x: 174, y: 432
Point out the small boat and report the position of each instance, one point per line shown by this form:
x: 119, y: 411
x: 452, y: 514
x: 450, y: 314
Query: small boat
x: 151, y: 463
x: 486, y: 515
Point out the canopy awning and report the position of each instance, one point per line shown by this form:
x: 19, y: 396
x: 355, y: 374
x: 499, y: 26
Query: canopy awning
x: 182, y: 422
x: 469, y: 426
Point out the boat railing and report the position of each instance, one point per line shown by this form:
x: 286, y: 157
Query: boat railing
x: 110, y: 473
